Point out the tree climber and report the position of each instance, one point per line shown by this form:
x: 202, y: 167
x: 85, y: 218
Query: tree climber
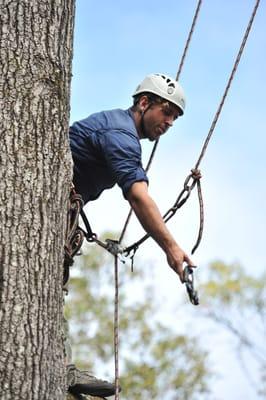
x: 106, y: 150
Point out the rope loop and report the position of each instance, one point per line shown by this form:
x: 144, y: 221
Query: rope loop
x: 195, y: 176
x: 74, y: 235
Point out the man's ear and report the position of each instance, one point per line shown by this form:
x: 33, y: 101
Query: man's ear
x: 144, y: 103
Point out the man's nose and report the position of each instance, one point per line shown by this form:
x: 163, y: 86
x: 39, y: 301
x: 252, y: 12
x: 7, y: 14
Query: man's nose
x: 169, y: 121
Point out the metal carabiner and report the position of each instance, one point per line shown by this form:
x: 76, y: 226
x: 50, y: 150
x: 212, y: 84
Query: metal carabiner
x: 189, y: 281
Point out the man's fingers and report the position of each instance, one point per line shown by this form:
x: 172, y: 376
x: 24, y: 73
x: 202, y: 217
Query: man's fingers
x: 189, y: 262
x: 181, y: 274
x: 179, y: 266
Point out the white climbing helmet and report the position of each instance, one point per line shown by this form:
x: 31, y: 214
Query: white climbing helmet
x: 165, y: 87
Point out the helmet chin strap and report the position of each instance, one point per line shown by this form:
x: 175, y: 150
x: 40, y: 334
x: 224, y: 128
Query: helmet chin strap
x: 142, y: 125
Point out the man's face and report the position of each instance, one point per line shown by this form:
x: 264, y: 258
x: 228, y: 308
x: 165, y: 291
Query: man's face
x: 158, y: 118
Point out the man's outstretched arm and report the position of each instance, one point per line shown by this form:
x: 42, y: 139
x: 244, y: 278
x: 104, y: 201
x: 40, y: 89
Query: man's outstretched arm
x: 150, y: 218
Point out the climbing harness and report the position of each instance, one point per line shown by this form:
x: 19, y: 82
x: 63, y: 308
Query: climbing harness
x: 192, y: 180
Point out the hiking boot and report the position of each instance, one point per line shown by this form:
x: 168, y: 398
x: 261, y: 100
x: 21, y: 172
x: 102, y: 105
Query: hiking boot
x: 81, y: 397
x: 82, y: 382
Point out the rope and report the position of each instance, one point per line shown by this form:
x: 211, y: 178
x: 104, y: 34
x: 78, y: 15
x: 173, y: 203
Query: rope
x: 116, y: 328
x: 131, y: 211
x: 228, y: 84
x: 74, y: 235
x: 188, y: 40
x: 185, y: 193
x: 177, y: 77
x: 213, y: 125
x: 201, y: 218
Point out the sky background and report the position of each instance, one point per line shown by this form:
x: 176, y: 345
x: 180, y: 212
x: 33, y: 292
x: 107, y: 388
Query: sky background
x: 116, y: 45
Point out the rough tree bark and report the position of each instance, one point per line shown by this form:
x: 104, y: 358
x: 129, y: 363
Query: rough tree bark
x: 35, y: 176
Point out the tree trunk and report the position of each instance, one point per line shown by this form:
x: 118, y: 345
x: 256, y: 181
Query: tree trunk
x: 35, y: 177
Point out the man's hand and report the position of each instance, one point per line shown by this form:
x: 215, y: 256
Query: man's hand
x: 149, y: 216
x: 176, y: 257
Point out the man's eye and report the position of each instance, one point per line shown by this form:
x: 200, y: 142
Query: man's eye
x: 167, y: 113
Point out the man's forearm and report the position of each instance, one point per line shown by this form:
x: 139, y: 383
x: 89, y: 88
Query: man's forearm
x: 150, y: 217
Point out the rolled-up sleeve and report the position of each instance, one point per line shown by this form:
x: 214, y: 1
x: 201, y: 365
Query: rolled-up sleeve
x: 122, y: 153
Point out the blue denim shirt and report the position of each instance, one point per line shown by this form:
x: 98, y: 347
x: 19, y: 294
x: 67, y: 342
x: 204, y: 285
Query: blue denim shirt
x: 106, y: 150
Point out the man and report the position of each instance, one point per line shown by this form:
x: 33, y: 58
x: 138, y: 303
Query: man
x: 106, y: 150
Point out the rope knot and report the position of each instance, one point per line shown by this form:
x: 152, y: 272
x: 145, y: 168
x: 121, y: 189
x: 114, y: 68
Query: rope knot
x: 196, y: 174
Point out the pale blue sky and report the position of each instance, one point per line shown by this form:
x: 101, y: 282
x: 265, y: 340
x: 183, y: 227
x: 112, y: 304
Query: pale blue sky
x: 116, y: 44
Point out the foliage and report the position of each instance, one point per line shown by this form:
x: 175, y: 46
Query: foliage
x: 155, y: 361
x: 236, y: 301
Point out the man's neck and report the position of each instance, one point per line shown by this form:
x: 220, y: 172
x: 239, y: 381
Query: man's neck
x: 136, y: 115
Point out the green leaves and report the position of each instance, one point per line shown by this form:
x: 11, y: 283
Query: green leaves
x: 235, y: 301
x: 155, y: 361
x: 231, y: 285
